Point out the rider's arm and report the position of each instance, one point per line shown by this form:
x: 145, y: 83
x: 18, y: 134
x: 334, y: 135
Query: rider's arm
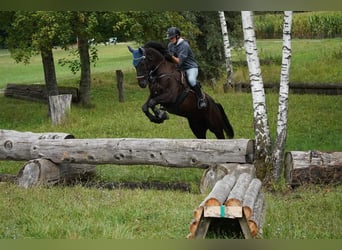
x: 175, y: 59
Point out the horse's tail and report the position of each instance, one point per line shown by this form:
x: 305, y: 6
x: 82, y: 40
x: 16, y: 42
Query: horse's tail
x: 227, y: 127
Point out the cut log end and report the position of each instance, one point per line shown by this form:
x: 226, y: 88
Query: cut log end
x: 253, y: 227
x: 212, y: 202
x: 247, y: 211
x: 233, y: 202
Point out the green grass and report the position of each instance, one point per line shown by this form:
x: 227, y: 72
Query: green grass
x: 309, y: 212
x: 312, y: 61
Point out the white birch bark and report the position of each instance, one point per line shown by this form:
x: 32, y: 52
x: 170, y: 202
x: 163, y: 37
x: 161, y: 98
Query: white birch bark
x: 227, y: 52
x: 261, y: 127
x: 279, y: 146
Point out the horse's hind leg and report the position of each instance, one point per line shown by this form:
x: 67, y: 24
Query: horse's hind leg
x: 198, y: 128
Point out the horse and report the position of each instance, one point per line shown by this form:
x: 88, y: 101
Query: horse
x: 169, y: 88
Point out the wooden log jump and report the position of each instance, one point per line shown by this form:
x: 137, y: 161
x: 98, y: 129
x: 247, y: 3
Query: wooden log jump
x: 313, y: 167
x: 17, y: 145
x: 163, y: 152
x: 233, y: 197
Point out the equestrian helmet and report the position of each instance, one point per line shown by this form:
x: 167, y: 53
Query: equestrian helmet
x: 172, y: 32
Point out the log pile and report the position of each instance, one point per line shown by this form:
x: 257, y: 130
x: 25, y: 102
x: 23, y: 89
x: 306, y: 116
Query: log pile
x: 216, y: 172
x: 313, y: 167
x: 37, y: 92
x: 235, y: 198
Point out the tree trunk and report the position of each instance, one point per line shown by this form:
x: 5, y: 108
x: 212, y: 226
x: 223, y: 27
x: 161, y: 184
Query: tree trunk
x: 83, y: 48
x: 313, y: 167
x: 59, y: 108
x: 227, y: 53
x: 49, y: 72
x: 279, y: 146
x: 261, y: 127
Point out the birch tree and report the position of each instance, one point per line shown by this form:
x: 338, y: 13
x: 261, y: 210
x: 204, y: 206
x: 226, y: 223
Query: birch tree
x: 261, y: 127
x: 279, y: 146
x: 227, y: 52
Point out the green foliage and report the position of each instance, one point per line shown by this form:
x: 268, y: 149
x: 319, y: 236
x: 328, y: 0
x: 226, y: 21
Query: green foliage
x: 143, y: 26
x: 316, y: 24
x: 88, y: 213
x: 73, y: 61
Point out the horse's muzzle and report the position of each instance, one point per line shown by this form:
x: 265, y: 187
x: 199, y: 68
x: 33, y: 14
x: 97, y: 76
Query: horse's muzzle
x: 142, y: 82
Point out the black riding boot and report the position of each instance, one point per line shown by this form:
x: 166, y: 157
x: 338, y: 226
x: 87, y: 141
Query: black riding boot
x: 201, y: 104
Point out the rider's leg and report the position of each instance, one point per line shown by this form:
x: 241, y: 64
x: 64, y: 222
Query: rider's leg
x: 192, y: 79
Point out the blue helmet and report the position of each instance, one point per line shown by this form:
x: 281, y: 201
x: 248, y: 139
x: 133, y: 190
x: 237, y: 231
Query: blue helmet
x: 172, y: 32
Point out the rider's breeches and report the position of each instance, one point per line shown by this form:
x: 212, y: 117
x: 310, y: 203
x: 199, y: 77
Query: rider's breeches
x: 192, y: 76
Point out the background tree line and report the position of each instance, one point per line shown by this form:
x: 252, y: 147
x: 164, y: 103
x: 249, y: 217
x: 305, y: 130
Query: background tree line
x: 27, y: 33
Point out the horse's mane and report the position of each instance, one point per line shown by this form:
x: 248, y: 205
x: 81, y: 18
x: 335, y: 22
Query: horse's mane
x: 159, y: 47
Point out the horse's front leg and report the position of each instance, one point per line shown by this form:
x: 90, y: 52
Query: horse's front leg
x: 159, y: 115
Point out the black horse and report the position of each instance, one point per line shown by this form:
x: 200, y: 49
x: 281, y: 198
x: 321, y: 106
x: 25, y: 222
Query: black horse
x: 169, y: 88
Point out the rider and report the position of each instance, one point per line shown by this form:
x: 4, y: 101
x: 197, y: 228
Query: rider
x: 183, y: 56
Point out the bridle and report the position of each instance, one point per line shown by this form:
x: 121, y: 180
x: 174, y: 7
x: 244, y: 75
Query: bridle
x: 149, y: 76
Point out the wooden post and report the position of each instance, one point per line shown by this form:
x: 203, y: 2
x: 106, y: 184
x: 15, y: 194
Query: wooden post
x: 119, y: 78
x: 59, y: 107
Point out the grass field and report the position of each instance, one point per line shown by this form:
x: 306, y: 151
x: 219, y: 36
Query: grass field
x: 308, y: 212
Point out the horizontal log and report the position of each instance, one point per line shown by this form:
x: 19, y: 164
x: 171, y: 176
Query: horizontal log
x: 298, y: 88
x: 15, y: 145
x: 256, y: 221
x: 235, y: 197
x: 129, y: 151
x: 219, y: 193
x: 313, y: 167
x: 37, y: 92
x: 250, y: 197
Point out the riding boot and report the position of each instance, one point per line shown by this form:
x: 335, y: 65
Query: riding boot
x: 201, y: 103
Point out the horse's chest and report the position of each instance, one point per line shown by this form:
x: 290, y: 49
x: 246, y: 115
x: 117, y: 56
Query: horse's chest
x: 157, y: 89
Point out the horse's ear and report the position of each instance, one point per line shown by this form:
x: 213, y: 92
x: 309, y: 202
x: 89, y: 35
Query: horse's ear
x: 130, y: 49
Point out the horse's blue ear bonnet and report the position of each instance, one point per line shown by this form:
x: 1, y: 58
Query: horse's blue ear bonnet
x: 138, y: 55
